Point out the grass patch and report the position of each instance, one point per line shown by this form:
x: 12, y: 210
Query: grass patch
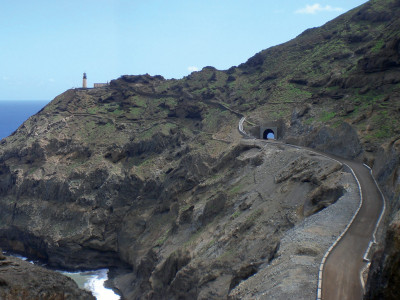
x: 309, y: 121
x: 138, y: 101
x: 94, y: 132
x: 378, y: 46
x: 236, y: 189
x: 171, y: 102
x: 236, y: 214
x: 118, y: 112
x: 336, y: 124
x: 93, y: 110
x: 32, y: 170
x: 194, y: 237
x: 288, y: 92
x: 135, y: 113
x: 185, y: 207
x: 163, y: 238
x: 327, y: 116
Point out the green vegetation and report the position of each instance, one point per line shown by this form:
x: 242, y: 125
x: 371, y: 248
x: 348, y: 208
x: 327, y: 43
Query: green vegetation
x: 93, y: 132
x: 32, y: 170
x: 385, y: 126
x: 93, y: 110
x: 254, y: 215
x: 288, y: 92
x: 212, y: 120
x: 171, y: 102
x: 236, y: 214
x: 117, y: 112
x: 378, y: 46
x: 135, y: 113
x: 236, y: 188
x: 193, y: 238
x: 309, y: 121
x: 138, y: 101
x: 163, y: 238
x: 327, y: 116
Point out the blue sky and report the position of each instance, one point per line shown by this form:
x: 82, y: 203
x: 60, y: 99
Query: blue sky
x: 47, y: 45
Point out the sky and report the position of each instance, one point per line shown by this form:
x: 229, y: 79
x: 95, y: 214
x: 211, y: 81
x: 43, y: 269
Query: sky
x: 46, y: 45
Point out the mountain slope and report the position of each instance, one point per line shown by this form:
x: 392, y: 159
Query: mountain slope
x: 150, y: 176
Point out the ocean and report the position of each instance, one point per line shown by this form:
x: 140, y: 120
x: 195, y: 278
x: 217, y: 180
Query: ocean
x: 14, y: 113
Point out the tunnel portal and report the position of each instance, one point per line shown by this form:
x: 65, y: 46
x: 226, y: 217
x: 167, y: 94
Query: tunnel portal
x: 268, y: 133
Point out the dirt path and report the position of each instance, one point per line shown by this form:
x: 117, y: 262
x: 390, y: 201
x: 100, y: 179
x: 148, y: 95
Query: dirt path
x: 341, y: 274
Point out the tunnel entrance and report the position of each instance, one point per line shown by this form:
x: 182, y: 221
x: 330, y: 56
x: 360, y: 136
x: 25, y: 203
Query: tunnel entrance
x: 269, y: 134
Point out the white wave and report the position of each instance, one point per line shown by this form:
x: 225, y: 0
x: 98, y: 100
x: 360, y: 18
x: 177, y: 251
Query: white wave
x: 93, y: 281
x: 95, y: 284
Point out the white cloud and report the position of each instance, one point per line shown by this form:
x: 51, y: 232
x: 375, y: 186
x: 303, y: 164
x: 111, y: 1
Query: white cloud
x: 193, y: 69
x: 316, y: 8
x: 52, y: 80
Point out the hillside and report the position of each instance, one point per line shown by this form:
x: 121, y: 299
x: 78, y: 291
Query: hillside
x: 150, y: 177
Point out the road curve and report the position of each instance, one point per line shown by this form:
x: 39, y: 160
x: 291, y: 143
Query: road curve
x: 341, y: 271
x: 341, y: 279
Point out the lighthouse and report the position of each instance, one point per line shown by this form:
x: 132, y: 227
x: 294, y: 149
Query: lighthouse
x: 84, y: 81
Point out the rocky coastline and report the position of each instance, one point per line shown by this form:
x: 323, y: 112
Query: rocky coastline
x: 151, y: 178
x: 22, y: 280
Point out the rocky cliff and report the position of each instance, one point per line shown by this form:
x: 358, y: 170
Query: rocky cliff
x: 22, y: 280
x: 150, y: 176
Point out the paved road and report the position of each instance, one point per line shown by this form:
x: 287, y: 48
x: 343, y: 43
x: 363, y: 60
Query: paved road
x: 341, y: 274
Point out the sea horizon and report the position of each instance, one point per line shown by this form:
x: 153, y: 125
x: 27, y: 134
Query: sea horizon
x: 13, y: 113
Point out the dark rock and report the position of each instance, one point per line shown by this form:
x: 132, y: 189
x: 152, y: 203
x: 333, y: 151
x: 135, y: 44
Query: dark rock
x: 384, y: 275
x: 343, y: 141
x: 299, y: 112
x: 366, y: 13
x: 243, y: 273
x: 253, y: 62
x: 167, y: 271
x: 147, y: 265
x: 269, y: 77
x: 143, y: 79
x: 231, y: 78
x: 322, y: 197
x: 388, y: 57
x: 25, y: 281
x: 213, y: 207
x: 186, y: 215
x: 358, y: 38
x: 300, y: 81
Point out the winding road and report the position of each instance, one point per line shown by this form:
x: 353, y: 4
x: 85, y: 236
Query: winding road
x: 341, y: 272
x: 341, y: 267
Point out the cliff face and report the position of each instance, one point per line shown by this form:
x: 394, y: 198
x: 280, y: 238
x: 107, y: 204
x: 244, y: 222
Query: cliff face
x: 384, y: 275
x: 150, y: 175
x: 178, y: 202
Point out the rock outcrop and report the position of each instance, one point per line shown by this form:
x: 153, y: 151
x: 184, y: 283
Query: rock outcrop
x: 22, y: 280
x: 384, y: 277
